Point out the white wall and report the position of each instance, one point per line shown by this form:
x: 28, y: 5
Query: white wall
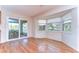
x: 78, y: 28
x: 31, y: 27
x: 55, y: 35
x: 3, y: 26
x: 70, y: 38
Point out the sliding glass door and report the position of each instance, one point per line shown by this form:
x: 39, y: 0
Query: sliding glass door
x: 17, y: 28
x: 13, y: 28
x: 23, y: 28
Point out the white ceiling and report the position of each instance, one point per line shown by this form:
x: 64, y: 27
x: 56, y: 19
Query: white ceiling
x: 29, y: 10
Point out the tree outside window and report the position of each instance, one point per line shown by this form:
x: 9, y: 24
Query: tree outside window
x: 54, y: 27
x: 67, y: 25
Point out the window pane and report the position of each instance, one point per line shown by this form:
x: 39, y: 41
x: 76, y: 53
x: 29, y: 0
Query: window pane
x: 42, y: 25
x: 67, y: 26
x: 23, y: 28
x: 13, y: 28
x: 50, y: 27
x: 54, y: 27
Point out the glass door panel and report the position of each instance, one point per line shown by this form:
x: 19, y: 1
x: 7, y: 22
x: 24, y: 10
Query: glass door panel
x: 23, y: 28
x: 13, y: 28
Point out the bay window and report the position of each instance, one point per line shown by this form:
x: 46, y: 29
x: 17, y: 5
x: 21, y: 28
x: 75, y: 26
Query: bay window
x: 54, y: 24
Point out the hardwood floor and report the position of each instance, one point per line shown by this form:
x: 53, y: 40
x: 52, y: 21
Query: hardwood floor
x: 35, y: 45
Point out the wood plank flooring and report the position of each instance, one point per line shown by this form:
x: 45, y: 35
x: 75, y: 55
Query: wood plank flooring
x: 35, y: 45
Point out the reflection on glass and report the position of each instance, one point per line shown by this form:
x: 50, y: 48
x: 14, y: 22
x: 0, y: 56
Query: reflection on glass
x: 13, y: 28
x: 23, y: 28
